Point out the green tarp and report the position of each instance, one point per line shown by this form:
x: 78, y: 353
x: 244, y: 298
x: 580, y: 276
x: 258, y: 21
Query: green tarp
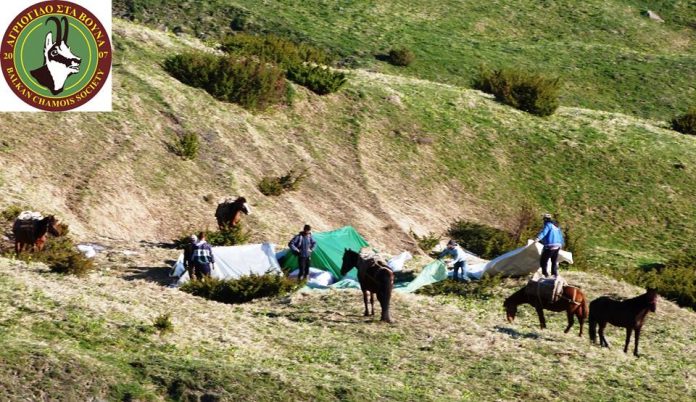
x: 328, y: 253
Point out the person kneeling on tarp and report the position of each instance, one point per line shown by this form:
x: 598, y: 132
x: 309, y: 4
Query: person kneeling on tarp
x: 458, y: 256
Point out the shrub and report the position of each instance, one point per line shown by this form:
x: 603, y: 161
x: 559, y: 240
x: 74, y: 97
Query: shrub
x: 401, y: 57
x: 486, y: 241
x: 62, y: 256
x: 229, y: 236
x: 163, y: 323
x: 426, y: 242
x: 532, y: 93
x: 483, y: 289
x: 685, y: 123
x: 250, y: 83
x: 11, y: 212
x: 320, y: 80
x: 186, y: 146
x: 675, y: 279
x: 274, y: 186
x: 243, y: 289
x: 275, y: 49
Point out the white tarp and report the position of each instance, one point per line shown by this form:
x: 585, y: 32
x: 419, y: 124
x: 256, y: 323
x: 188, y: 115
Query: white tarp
x: 234, y: 261
x: 317, y: 277
x: 518, y: 262
x: 397, y: 263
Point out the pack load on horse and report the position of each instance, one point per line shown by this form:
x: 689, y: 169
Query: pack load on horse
x: 229, y: 211
x: 629, y: 314
x: 546, y: 296
x: 374, y: 278
x: 546, y: 290
x: 30, y: 229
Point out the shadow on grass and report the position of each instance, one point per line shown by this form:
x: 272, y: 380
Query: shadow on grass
x: 158, y: 274
x: 516, y: 334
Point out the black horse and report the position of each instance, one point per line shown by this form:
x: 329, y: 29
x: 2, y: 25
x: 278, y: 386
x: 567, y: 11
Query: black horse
x: 629, y: 314
x: 373, y: 278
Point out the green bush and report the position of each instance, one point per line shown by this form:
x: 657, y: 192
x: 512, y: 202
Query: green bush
x: 275, y: 49
x: 483, y: 289
x: 274, y: 186
x: 485, y: 241
x: 320, y: 80
x: 675, y: 279
x: 426, y: 242
x: 230, y: 236
x: 248, y: 82
x: 243, y: 289
x: 186, y: 146
x: 401, y: 57
x: 163, y: 323
x: 532, y: 93
x: 11, y: 212
x: 685, y: 123
x: 62, y: 256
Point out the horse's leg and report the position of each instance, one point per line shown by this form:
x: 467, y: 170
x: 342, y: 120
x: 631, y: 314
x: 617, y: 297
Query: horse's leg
x: 628, y: 338
x: 602, y: 339
x: 635, y: 348
x: 365, y: 301
x: 581, y: 319
x: 372, y: 301
x: 571, y: 321
x: 542, y: 320
x: 18, y: 247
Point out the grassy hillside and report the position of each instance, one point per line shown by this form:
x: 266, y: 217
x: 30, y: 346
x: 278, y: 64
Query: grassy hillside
x: 609, y: 55
x: 75, y: 339
x: 387, y: 154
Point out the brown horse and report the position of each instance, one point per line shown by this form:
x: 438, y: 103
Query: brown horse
x: 572, y: 301
x: 629, y: 314
x: 229, y: 213
x: 373, y: 278
x: 32, y: 232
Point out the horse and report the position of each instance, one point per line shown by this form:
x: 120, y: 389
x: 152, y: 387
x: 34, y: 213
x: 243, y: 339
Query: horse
x: 32, y: 232
x: 229, y: 213
x: 572, y: 300
x: 373, y: 278
x: 629, y: 314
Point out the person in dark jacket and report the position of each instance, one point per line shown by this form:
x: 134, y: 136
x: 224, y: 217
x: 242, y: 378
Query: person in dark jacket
x: 188, y: 253
x: 202, y: 258
x: 302, y: 245
x: 552, y: 239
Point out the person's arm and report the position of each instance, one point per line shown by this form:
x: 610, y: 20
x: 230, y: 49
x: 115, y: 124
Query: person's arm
x: 212, y: 257
x: 312, y: 244
x: 293, y: 246
x: 542, y: 233
x: 444, y: 253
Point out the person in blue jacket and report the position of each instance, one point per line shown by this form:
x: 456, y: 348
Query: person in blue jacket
x: 458, y: 256
x: 552, y: 239
x: 302, y: 245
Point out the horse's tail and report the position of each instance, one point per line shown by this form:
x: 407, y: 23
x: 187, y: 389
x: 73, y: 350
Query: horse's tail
x: 593, y: 328
x: 585, y: 313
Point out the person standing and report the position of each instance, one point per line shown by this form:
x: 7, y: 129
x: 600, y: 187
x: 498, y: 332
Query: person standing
x: 302, y: 245
x: 202, y: 258
x: 188, y: 253
x: 551, y: 237
x: 458, y: 256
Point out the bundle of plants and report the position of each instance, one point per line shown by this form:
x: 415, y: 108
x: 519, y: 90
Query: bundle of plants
x: 242, y: 289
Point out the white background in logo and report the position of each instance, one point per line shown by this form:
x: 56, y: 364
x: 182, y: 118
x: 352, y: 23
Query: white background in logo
x: 101, y: 102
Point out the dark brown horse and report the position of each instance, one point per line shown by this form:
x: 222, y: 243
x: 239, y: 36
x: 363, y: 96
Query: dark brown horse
x: 572, y: 301
x: 629, y: 314
x: 373, y: 278
x: 229, y: 213
x: 32, y: 232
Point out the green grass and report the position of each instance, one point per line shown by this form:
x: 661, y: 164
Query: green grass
x: 608, y: 54
x: 74, y: 339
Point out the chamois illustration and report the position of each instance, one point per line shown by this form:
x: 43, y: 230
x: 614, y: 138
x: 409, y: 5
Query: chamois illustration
x: 59, y: 61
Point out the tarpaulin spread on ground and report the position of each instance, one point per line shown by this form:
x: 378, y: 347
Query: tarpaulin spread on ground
x: 328, y: 253
x: 234, y: 261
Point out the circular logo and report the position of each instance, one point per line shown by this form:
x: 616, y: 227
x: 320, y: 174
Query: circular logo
x: 55, y: 55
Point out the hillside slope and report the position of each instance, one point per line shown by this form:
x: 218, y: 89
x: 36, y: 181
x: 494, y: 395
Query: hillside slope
x: 68, y: 338
x: 387, y: 154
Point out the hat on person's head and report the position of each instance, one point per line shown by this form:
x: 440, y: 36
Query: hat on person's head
x: 306, y: 228
x: 548, y: 216
x: 452, y: 243
x: 193, y: 238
